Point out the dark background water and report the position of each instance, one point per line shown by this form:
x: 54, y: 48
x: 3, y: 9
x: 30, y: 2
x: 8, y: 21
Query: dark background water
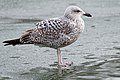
x: 96, y: 54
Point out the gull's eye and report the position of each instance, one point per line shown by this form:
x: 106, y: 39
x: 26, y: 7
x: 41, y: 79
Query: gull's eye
x: 77, y: 11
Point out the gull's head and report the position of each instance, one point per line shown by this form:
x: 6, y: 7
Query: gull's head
x: 75, y: 12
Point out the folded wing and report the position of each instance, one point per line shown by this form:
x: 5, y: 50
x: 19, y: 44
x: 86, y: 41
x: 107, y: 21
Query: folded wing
x: 51, y: 33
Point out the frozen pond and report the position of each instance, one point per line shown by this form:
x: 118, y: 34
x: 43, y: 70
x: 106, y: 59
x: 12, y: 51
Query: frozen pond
x: 96, y: 55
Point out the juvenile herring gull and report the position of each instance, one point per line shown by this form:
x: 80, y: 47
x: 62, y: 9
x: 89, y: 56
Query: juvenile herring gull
x: 55, y: 32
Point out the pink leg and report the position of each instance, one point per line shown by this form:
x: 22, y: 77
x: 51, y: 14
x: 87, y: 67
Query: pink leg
x: 59, y: 57
x: 60, y: 62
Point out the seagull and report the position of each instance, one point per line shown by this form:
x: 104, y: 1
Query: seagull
x: 54, y: 32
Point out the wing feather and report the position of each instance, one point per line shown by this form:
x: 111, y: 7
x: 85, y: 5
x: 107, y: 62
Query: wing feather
x: 51, y: 33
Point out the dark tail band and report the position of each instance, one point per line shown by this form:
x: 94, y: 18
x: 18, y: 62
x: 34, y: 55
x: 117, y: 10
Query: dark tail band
x: 12, y: 42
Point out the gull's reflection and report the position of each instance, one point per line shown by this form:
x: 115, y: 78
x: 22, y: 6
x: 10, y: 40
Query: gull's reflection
x: 51, y: 73
x: 60, y: 71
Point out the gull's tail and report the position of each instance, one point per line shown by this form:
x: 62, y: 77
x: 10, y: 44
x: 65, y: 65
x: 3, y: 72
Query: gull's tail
x: 12, y: 42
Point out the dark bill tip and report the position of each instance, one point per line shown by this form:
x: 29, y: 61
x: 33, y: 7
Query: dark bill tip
x: 87, y: 14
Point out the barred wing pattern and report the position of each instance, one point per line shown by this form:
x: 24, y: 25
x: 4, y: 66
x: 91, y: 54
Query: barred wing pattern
x: 50, y: 33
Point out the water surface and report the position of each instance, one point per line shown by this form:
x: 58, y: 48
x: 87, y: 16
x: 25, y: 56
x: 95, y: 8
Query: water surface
x: 96, y: 54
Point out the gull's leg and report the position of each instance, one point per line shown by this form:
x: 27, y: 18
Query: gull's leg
x: 60, y: 62
x: 59, y: 57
